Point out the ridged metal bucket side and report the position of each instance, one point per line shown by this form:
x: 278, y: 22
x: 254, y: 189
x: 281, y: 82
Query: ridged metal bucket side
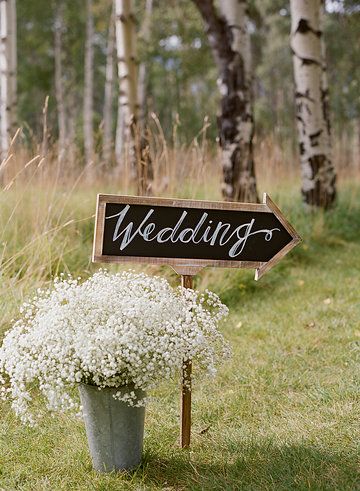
x: 115, y: 431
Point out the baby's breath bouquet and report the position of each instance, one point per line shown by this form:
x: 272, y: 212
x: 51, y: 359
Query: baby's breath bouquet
x: 112, y: 330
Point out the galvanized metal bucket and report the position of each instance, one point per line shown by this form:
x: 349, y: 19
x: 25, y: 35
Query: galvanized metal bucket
x: 115, y: 431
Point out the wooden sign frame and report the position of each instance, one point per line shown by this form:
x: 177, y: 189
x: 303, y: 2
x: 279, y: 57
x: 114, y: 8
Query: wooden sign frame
x: 190, y: 266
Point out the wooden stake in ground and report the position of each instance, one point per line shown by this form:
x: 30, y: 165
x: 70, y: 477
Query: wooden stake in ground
x: 185, y: 423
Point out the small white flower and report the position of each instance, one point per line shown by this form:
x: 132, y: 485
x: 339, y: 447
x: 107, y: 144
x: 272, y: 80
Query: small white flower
x: 119, y: 330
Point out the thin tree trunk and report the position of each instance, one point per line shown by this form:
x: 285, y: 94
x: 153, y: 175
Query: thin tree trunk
x: 44, y: 143
x: 312, y: 106
x: 12, y: 57
x: 109, y: 86
x: 89, y: 85
x: 120, y: 137
x: 5, y: 103
x: 228, y: 39
x: 145, y: 168
x: 59, y: 91
x: 127, y: 73
x: 128, y: 106
x: 145, y: 35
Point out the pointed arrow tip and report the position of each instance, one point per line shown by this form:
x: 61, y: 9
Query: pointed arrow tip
x: 288, y: 227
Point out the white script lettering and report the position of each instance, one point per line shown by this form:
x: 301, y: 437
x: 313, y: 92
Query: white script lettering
x: 214, y: 234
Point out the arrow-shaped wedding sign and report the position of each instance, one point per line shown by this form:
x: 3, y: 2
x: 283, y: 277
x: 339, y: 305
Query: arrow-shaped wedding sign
x: 190, y: 235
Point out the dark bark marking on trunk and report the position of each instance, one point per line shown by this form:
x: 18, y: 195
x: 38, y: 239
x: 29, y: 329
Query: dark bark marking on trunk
x: 314, y: 138
x: 325, y: 108
x: 304, y: 27
x: 305, y: 61
x: 319, y: 196
x: 141, y: 156
x: 306, y: 95
x: 309, y: 61
x: 301, y: 148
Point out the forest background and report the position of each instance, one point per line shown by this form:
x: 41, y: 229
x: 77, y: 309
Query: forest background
x: 181, y: 71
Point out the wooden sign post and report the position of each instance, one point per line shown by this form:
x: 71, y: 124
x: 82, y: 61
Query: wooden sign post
x: 185, y: 429
x: 190, y: 235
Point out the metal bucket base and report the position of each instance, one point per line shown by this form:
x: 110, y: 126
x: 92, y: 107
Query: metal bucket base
x: 114, y: 430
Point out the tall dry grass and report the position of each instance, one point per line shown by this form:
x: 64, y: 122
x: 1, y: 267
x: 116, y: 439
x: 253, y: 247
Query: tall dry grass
x: 47, y: 202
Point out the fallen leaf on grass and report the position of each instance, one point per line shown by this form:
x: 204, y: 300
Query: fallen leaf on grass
x: 205, y: 430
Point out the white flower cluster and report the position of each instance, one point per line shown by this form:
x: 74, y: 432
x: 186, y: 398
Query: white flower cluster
x: 113, y: 330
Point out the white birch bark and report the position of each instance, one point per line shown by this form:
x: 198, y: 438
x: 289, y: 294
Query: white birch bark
x: 12, y: 57
x: 108, y: 96
x: 5, y: 85
x: 59, y: 89
x: 235, y: 13
x: 127, y: 74
x: 311, y: 95
x: 89, y: 85
x: 230, y: 42
x: 120, y: 137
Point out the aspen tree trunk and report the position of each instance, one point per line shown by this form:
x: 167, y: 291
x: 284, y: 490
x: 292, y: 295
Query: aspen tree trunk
x: 89, y: 85
x: 109, y: 85
x: 312, y: 104
x: 120, y: 138
x: 12, y: 57
x: 127, y: 73
x: 145, y: 171
x: 5, y: 78
x: 145, y: 35
x: 59, y: 91
x: 128, y: 106
x: 229, y: 41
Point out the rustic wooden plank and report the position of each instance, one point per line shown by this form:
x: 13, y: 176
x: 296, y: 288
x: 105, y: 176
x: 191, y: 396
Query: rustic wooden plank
x: 180, y: 203
x: 99, y: 227
x: 176, y: 262
x: 186, y: 265
x: 188, y: 270
x: 266, y: 266
x: 279, y: 215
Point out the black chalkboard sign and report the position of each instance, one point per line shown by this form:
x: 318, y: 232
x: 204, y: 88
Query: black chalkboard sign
x: 191, y: 234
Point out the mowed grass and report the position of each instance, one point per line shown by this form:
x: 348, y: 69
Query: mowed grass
x: 283, y: 414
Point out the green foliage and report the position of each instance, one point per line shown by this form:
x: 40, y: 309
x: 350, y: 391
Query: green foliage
x: 342, y: 36
x: 182, y: 74
x: 36, y: 66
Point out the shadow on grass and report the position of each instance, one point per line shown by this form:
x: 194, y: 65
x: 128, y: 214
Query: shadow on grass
x: 325, y: 238
x: 255, y: 467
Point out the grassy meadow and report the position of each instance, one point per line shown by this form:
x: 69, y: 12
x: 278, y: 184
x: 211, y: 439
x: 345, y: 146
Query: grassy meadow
x: 283, y: 413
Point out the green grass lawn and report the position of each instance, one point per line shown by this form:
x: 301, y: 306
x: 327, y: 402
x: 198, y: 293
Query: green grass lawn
x: 283, y: 414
